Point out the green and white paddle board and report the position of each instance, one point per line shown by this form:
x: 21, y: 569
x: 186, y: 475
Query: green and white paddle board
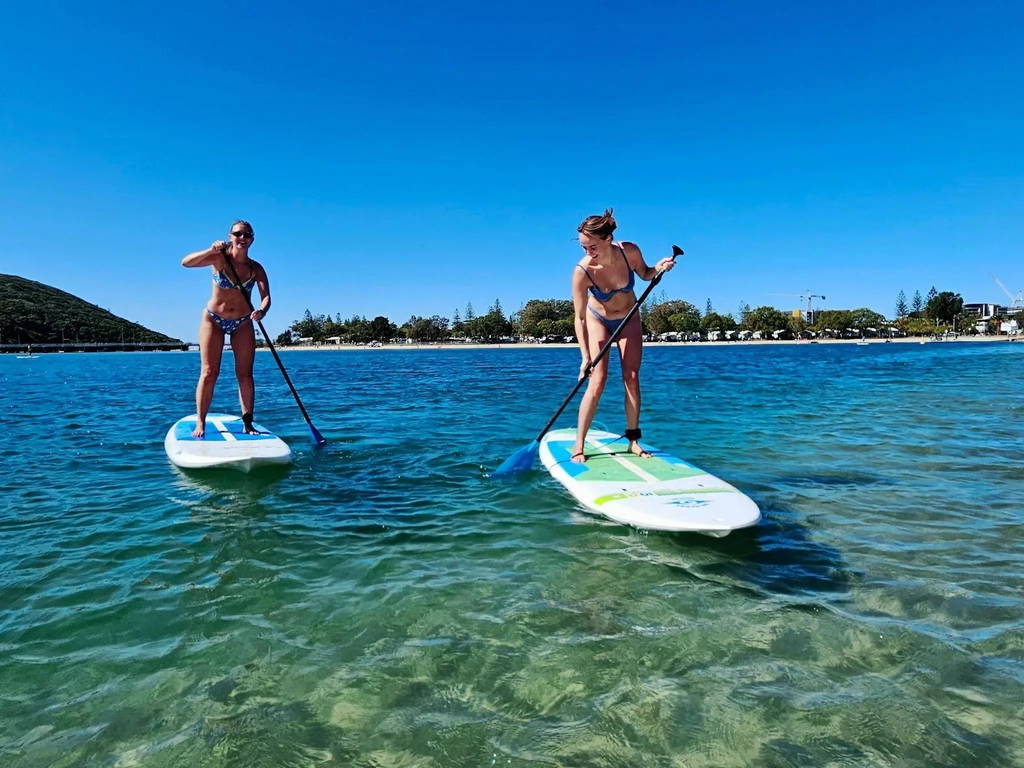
x: 661, y: 493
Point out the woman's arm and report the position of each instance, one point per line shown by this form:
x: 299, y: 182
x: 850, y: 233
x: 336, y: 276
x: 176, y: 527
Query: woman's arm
x: 635, y: 259
x: 206, y: 257
x: 579, y: 303
x: 263, y: 283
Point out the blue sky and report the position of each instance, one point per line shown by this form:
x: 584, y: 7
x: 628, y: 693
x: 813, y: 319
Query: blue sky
x: 409, y: 158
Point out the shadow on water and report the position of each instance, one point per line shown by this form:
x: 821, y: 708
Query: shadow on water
x: 778, y: 556
x: 243, y: 485
x: 851, y: 478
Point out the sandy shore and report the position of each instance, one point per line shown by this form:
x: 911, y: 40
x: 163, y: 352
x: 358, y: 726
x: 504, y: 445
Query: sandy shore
x: 761, y: 343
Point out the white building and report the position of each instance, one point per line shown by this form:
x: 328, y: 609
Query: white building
x: 982, y: 311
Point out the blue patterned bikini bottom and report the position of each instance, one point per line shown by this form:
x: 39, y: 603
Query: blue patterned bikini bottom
x: 227, y: 324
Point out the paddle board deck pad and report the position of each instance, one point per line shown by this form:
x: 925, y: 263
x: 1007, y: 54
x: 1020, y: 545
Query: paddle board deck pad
x: 661, y: 493
x: 225, y: 444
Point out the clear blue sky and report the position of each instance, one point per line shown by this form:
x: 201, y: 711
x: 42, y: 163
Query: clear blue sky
x: 414, y: 157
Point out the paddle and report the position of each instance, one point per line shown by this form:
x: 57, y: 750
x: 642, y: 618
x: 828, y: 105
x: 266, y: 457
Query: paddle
x: 523, y: 459
x: 318, y: 439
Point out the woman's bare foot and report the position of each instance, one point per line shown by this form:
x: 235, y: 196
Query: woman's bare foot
x: 634, y: 447
x: 577, y: 456
x: 200, y: 430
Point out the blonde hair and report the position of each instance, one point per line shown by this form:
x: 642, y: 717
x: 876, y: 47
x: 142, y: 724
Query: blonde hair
x: 599, y: 226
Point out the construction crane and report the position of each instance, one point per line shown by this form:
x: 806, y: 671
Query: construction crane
x: 808, y: 295
x: 1014, y: 300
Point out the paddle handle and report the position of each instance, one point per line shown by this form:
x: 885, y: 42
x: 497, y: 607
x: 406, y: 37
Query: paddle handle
x: 266, y: 337
x: 676, y: 251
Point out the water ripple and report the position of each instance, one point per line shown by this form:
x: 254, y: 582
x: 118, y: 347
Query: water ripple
x: 383, y: 603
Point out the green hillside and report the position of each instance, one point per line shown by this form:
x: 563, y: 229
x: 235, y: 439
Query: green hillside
x: 34, y: 313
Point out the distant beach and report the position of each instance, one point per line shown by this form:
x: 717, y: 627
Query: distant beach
x: 528, y: 345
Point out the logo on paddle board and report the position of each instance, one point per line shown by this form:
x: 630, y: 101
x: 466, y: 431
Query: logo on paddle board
x: 685, y: 502
x: 689, y: 503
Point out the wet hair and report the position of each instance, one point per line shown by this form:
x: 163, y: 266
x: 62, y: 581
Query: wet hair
x: 598, y: 226
x: 243, y: 222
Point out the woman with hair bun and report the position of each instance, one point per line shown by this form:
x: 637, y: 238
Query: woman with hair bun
x: 602, y: 292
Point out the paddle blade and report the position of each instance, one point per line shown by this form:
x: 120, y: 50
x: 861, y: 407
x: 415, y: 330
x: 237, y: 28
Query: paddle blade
x: 519, y: 462
x: 316, y: 437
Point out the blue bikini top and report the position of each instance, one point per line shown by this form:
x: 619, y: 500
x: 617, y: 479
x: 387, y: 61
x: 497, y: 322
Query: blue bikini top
x: 601, y: 295
x: 223, y: 281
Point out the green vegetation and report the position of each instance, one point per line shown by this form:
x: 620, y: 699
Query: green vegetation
x: 549, y: 320
x: 539, y: 318
x: 667, y: 316
x: 33, y: 313
x: 901, y: 306
x: 767, y: 320
x: 943, y: 307
x: 493, y: 326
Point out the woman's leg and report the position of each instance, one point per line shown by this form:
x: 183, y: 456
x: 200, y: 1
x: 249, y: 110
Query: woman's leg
x: 598, y: 334
x: 243, y: 346
x: 631, y: 351
x: 211, y: 349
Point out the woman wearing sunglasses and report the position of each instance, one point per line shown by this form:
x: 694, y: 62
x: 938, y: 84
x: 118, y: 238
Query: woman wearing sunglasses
x: 227, y: 314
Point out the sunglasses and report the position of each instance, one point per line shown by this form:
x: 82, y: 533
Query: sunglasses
x: 242, y: 233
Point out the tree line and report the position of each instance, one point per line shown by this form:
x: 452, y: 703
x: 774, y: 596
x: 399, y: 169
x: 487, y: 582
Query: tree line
x: 491, y: 326
x: 553, y: 319
x: 938, y: 310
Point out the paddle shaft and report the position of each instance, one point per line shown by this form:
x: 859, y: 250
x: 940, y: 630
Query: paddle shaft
x: 607, y: 346
x: 266, y: 337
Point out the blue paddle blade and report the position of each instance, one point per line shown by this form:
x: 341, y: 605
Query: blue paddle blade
x: 519, y: 462
x: 317, y: 438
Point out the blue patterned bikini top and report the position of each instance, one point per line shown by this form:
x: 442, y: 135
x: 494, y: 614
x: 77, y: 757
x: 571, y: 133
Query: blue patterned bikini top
x: 223, y: 281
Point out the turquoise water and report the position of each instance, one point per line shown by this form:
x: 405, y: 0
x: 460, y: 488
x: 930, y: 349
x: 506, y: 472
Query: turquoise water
x: 383, y: 603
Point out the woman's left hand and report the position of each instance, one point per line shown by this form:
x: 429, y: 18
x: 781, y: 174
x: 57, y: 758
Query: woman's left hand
x: 257, y: 315
x: 665, y: 264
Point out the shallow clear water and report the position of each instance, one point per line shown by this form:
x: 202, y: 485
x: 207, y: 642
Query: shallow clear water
x: 383, y: 603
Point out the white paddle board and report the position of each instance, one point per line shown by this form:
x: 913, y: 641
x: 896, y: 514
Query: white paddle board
x: 661, y: 493
x: 225, y: 444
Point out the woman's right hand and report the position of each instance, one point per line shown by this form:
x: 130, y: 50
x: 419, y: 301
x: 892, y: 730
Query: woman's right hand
x: 583, y: 369
x: 218, y: 246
